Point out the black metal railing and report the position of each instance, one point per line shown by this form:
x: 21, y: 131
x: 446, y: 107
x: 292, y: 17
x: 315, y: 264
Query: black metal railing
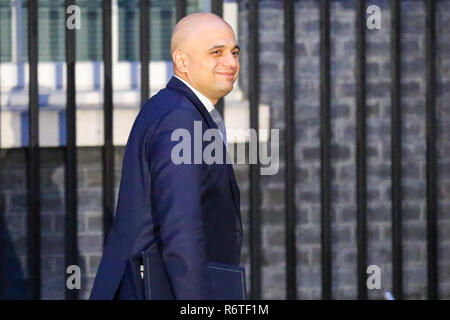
x: 71, y: 223
x: 396, y: 154
x: 33, y: 158
x: 289, y: 98
x: 432, y: 258
x: 361, y: 154
x: 325, y: 142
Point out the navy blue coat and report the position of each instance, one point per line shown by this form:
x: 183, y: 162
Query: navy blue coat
x: 193, y: 209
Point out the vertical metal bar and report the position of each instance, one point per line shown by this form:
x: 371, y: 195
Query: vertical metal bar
x: 2, y: 224
x: 217, y: 8
x: 108, y: 148
x: 325, y: 147
x: 289, y: 116
x: 181, y: 9
x: 255, y: 216
x: 432, y: 271
x: 396, y: 155
x: 361, y: 166
x: 71, y: 155
x: 33, y: 158
x: 3, y: 294
x: 144, y: 25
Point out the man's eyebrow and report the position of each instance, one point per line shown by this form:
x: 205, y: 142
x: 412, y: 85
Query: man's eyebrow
x: 223, y: 46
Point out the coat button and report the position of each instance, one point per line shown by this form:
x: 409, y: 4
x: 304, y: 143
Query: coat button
x: 238, y: 233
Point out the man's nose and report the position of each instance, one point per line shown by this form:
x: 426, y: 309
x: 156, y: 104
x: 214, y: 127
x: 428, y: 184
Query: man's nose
x: 229, y: 60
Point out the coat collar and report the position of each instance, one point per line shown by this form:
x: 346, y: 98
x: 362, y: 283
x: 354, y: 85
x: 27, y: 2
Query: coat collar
x: 203, y: 99
x: 177, y: 84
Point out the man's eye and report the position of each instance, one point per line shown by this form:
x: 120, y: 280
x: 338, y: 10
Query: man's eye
x: 236, y: 53
x: 216, y: 52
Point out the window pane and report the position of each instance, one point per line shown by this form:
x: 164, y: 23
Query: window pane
x: 51, y: 24
x: 162, y: 19
x: 5, y: 31
x: 89, y: 37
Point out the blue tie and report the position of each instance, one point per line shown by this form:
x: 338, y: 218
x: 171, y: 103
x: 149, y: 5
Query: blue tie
x: 220, y: 124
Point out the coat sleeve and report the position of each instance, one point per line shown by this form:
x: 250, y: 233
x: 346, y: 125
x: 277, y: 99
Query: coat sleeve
x: 176, y: 208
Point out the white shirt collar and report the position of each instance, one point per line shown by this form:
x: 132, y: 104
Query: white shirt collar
x: 206, y: 102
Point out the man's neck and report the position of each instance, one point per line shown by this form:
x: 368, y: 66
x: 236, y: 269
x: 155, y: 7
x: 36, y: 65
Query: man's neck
x: 209, y: 105
x: 183, y: 77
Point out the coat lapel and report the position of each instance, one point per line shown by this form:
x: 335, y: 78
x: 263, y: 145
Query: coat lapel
x: 176, y: 84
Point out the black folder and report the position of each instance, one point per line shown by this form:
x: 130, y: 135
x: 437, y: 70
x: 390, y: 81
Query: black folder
x: 228, y: 281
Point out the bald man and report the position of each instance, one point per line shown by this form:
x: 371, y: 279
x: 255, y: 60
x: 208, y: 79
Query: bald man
x: 189, y: 210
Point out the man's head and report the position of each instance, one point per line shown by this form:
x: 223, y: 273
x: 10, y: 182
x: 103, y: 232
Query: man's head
x: 205, y: 54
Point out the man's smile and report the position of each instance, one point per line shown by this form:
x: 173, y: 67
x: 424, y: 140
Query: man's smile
x: 228, y: 75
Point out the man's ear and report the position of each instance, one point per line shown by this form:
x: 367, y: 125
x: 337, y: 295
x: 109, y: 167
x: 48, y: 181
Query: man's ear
x: 180, y: 60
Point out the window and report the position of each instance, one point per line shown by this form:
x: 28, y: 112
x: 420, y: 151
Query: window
x: 52, y: 24
x: 51, y: 29
x: 89, y: 40
x: 5, y: 31
x: 162, y: 20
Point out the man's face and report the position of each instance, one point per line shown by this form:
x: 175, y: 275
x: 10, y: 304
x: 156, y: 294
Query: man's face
x: 213, y: 62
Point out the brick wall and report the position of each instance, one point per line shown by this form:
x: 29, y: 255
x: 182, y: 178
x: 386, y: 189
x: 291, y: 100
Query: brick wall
x: 90, y: 235
x: 343, y: 111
